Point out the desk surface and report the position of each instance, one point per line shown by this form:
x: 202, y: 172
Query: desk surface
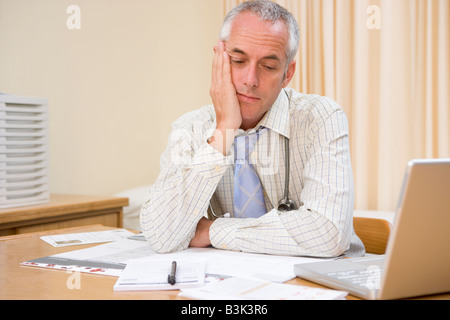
x: 20, y: 282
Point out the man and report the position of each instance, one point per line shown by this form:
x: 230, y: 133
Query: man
x: 210, y: 160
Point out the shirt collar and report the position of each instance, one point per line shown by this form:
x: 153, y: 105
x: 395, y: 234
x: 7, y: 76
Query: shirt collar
x: 276, y: 118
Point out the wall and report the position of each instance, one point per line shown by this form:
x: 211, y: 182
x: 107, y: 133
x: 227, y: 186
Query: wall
x: 114, y: 85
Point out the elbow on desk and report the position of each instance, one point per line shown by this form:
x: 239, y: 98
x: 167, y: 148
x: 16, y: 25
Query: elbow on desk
x: 338, y: 250
x: 336, y: 247
x: 332, y: 242
x: 160, y: 244
x: 333, y: 250
x: 158, y: 239
x: 158, y: 234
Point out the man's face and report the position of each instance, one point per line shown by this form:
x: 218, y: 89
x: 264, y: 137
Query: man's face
x: 257, y: 51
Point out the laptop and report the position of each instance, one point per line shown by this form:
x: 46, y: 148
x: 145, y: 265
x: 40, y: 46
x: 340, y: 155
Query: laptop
x: 417, y: 259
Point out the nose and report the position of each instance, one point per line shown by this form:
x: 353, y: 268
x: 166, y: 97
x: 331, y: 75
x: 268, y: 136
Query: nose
x: 251, y: 78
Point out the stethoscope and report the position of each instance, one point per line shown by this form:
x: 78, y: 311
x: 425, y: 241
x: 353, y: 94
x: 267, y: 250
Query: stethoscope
x: 285, y: 203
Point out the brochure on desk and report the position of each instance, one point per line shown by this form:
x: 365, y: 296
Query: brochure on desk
x: 107, y: 259
x: 71, y: 239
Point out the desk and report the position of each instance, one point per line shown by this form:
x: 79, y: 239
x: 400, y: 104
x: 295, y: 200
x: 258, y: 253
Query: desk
x: 20, y: 282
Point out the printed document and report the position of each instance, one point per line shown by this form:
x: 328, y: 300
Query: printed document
x: 256, y: 289
x: 71, y: 239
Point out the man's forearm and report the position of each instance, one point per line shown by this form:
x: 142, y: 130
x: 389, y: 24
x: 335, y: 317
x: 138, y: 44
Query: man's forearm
x: 180, y: 198
x: 297, y: 233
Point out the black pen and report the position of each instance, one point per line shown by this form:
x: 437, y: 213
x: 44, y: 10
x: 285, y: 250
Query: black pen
x: 171, y: 278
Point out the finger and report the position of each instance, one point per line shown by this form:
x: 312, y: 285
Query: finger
x: 219, y: 66
x: 219, y: 56
x: 214, y: 63
x: 226, y: 71
x: 216, y: 72
x: 226, y: 68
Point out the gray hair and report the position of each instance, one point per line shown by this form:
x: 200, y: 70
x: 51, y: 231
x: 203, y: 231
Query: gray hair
x: 266, y: 11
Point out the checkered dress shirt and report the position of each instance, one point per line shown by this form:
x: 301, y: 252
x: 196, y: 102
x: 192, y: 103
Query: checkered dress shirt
x: 196, y: 180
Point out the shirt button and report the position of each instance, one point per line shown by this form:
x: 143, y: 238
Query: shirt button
x: 217, y: 168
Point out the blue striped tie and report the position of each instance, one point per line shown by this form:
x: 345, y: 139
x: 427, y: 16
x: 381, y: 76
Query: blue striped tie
x: 248, y: 192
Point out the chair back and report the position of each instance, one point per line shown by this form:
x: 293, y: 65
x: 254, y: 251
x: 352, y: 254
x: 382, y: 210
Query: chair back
x: 374, y: 233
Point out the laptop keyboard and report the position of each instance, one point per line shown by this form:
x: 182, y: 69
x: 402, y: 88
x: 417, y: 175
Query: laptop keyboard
x: 369, y: 277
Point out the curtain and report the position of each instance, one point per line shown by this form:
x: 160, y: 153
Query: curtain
x: 386, y: 62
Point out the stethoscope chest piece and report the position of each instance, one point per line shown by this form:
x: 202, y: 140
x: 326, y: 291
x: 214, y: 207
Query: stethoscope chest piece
x: 286, y: 205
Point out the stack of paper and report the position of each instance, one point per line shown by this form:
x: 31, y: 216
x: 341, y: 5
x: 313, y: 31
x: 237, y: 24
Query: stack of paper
x: 23, y: 151
x: 255, y: 289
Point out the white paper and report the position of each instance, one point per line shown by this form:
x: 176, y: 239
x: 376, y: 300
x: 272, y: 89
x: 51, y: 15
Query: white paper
x: 120, y: 251
x: 141, y: 275
x: 71, y: 239
x: 255, y: 289
x: 224, y: 263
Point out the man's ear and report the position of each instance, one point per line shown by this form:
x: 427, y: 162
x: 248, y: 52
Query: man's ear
x: 289, y: 73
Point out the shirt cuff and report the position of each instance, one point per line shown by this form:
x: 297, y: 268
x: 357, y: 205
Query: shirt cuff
x: 210, y: 162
